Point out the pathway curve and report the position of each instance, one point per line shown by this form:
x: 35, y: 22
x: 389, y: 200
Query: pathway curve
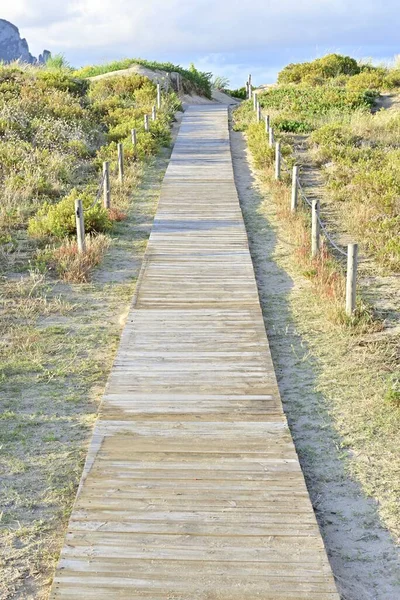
x: 192, y: 488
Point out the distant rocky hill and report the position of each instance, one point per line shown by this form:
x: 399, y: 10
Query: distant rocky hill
x: 13, y: 47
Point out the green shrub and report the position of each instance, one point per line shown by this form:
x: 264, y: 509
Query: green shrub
x: 319, y: 70
x: 258, y: 143
x: 121, y: 87
x: 61, y: 80
x: 367, y: 80
x: 289, y: 125
x: 58, y: 220
x: 334, y: 134
x: 240, y: 93
x: 309, y: 102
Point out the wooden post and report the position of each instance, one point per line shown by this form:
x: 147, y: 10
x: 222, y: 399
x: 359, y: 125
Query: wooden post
x: 295, y: 175
x: 120, y: 162
x: 247, y: 90
x: 351, y: 278
x: 158, y: 96
x: 153, y: 113
x: 271, y: 137
x: 314, y: 228
x: 134, y: 137
x: 267, y: 124
x: 80, y: 227
x: 255, y: 101
x: 146, y: 122
x: 258, y: 112
x: 277, y: 161
x: 106, y: 185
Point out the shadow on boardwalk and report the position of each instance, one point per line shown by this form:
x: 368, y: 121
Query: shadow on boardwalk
x: 362, y: 555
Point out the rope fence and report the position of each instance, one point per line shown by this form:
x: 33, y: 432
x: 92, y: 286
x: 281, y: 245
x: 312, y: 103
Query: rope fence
x: 104, y: 181
x: 318, y: 227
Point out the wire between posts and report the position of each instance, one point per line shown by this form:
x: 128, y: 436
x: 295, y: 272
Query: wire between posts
x: 328, y: 237
x: 322, y: 225
x: 101, y: 186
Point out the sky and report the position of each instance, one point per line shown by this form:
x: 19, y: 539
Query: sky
x: 227, y: 37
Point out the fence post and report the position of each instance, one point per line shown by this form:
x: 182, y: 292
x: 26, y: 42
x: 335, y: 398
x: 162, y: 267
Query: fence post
x: 80, y: 227
x: 255, y: 101
x: 146, y: 122
x: 134, y: 137
x: 120, y: 162
x: 249, y: 87
x: 277, y: 161
x: 351, y: 278
x: 295, y: 174
x: 314, y: 228
x: 158, y: 95
x: 267, y: 124
x: 153, y: 113
x: 258, y: 112
x: 106, y: 185
x: 271, y: 137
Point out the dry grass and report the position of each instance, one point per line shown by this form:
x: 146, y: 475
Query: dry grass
x: 73, y: 266
x: 324, y: 272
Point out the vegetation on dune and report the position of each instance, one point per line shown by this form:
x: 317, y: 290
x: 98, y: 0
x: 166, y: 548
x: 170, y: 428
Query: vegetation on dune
x: 353, y: 154
x: 56, y: 129
x: 359, y: 153
x: 335, y: 69
x: 196, y: 81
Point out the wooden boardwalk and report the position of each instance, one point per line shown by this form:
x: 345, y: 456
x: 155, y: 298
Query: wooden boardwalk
x: 192, y: 488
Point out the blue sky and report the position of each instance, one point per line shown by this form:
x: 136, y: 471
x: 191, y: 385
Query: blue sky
x: 227, y: 37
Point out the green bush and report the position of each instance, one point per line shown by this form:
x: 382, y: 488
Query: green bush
x: 309, y: 101
x: 290, y: 125
x: 240, y: 93
x: 58, y: 220
x: 319, y: 70
x: 258, y: 143
x: 61, y: 80
x: 367, y: 80
x: 122, y: 87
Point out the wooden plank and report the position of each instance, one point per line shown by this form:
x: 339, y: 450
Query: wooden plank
x: 192, y: 487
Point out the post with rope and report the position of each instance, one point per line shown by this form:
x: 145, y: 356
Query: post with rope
x: 255, y: 101
x: 134, y: 137
x: 315, y: 231
x: 80, y: 227
x: 158, y: 96
x: 249, y: 88
x: 351, y: 278
x: 267, y: 124
x: 106, y: 185
x: 121, y: 162
x: 277, y: 161
x: 146, y: 123
x: 153, y: 113
x: 271, y: 137
x: 295, y: 176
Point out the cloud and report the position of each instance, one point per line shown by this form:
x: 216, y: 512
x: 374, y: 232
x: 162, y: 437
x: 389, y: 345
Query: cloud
x: 232, y: 33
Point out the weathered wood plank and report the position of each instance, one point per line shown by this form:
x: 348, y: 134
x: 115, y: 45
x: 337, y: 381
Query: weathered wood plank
x: 192, y: 488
